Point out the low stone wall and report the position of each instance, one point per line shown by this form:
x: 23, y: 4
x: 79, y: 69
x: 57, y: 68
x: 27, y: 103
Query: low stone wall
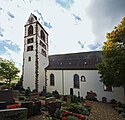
x: 13, y: 114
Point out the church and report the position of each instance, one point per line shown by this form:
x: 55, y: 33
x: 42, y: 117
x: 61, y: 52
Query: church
x: 76, y: 72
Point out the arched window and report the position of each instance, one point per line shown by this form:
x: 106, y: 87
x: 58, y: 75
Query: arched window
x: 30, y: 30
x: 52, y: 80
x: 42, y: 35
x: 29, y: 58
x: 76, y: 81
x: 83, y: 79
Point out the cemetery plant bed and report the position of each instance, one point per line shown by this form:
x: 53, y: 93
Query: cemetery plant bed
x: 79, y: 109
x: 66, y: 114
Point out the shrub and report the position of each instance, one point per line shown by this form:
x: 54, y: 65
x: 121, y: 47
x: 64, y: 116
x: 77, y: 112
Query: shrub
x: 21, y: 98
x: 104, y: 99
x: 82, y: 99
x: 75, y: 108
x: 48, y: 95
x: 71, y: 117
x: 113, y: 101
x: 56, y: 94
x: 28, y: 91
x: 119, y: 104
x: 65, y: 97
x: 74, y: 99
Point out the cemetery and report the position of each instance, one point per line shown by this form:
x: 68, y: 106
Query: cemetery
x: 27, y: 105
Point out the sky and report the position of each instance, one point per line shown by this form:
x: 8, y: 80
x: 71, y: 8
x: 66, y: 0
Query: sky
x: 73, y: 25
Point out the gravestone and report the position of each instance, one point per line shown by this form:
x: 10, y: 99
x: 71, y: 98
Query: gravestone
x: 91, y: 95
x: 15, y: 94
x: 3, y: 105
x: 67, y: 99
x: 13, y: 114
x: 29, y: 106
x: 49, y: 100
x: 34, y: 96
x: 6, y: 96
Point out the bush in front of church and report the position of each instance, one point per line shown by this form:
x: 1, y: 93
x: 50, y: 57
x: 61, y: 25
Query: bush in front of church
x: 56, y: 94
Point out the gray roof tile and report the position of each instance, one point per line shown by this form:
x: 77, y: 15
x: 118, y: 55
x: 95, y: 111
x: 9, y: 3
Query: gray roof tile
x: 75, y: 61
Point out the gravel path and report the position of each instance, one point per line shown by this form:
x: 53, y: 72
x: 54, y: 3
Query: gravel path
x: 102, y: 111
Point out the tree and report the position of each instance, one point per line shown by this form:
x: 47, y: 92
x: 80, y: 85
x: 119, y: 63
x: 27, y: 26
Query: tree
x: 8, y: 70
x: 112, y: 68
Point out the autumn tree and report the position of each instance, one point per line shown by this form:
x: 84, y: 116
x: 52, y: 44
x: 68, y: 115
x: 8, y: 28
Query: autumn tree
x: 8, y: 70
x: 112, y: 68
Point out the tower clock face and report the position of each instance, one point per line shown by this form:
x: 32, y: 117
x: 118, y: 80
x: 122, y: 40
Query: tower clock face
x: 30, y: 20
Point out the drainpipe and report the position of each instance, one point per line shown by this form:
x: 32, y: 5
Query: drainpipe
x: 62, y: 82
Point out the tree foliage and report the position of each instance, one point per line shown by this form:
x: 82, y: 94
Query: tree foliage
x: 112, y: 68
x: 8, y: 70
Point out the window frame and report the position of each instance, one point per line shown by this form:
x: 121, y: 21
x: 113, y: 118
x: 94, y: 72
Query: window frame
x: 83, y: 78
x: 42, y: 35
x: 30, y: 30
x: 43, y: 52
x: 30, y: 48
x: 30, y: 40
x: 76, y: 81
x: 52, y: 79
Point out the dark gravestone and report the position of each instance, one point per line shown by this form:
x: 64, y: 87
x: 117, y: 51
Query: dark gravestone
x: 29, y: 106
x: 7, y: 96
x: 51, y: 108
x: 13, y: 114
x: 15, y: 94
x: 34, y: 96
x: 49, y: 100
x: 91, y: 96
x: 36, y: 108
x: 3, y: 105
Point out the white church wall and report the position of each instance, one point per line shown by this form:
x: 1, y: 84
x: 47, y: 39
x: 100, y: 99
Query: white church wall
x: 92, y: 83
x: 43, y: 63
x: 29, y: 70
x: 58, y: 81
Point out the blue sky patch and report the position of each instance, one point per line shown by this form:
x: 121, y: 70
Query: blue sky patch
x: 77, y: 17
x: 39, y: 13
x: 10, y: 45
x: 94, y: 46
x: 1, y: 32
x: 82, y: 45
x: 65, y: 3
x: 10, y: 14
x: 47, y: 25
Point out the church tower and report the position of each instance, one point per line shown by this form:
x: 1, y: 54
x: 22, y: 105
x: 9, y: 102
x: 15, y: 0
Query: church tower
x: 35, y: 55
